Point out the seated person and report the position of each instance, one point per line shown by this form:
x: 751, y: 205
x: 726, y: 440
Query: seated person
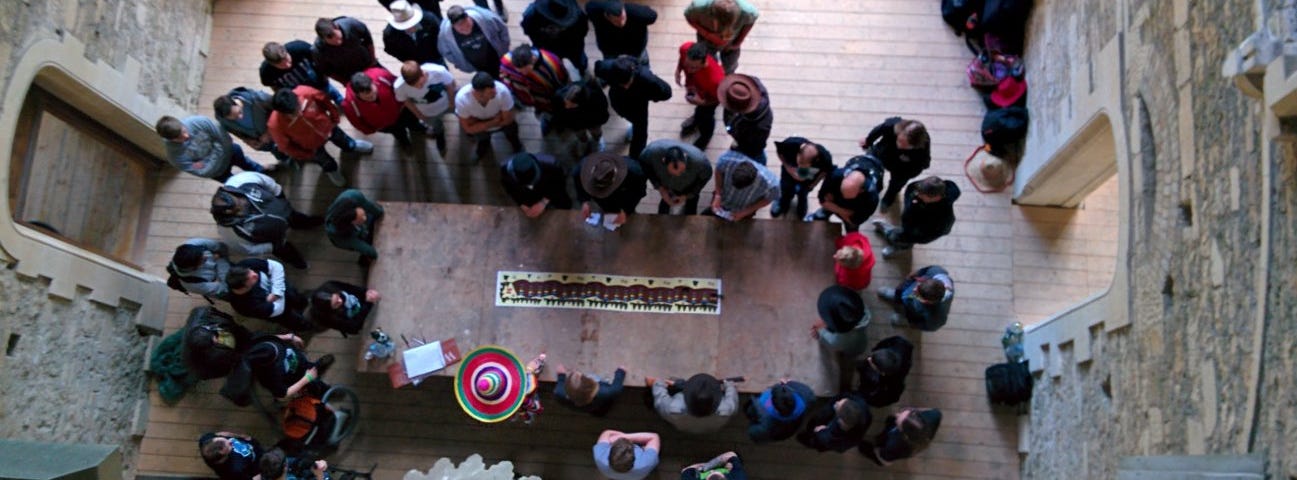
x: 777, y: 413
x: 905, y: 434
x: 232, y: 456
x: 278, y: 363
x: 627, y: 456
x: 882, y: 373
x: 702, y: 404
x: 726, y: 466
x: 838, y: 426
x: 535, y: 182
x: 200, y: 265
x: 259, y: 289
x: 742, y: 187
x: 213, y: 343
x: 851, y: 192
x: 588, y: 393
x: 277, y: 465
x: 342, y: 306
x: 843, y: 318
x: 350, y: 221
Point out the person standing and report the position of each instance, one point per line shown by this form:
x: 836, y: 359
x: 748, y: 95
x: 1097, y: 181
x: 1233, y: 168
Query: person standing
x: 200, y: 265
x: 722, y: 25
x: 534, y: 76
x: 200, y: 147
x: 679, y: 172
x: 742, y: 187
x: 630, y: 89
x: 748, y: 113
x: 924, y: 297
x: 243, y: 113
x: 853, y: 262
x: 349, y: 223
x: 627, y: 456
x: 343, y: 47
x: 843, y: 318
x: 302, y: 121
x: 726, y: 466
x: 612, y: 182
x: 928, y: 214
x: 581, y: 108
x: 559, y: 26
x: 536, y: 183
x: 621, y: 28
x: 484, y: 107
x: 902, y: 146
x: 426, y: 91
x: 905, y: 434
x: 473, y: 39
x: 411, y: 33
x: 851, y: 193
x: 777, y: 412
x: 701, y: 76
x: 804, y: 164
x: 882, y: 372
x: 371, y: 106
x: 254, y: 216
x: 293, y: 64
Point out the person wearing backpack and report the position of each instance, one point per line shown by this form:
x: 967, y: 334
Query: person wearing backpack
x: 905, y: 434
x: 255, y: 217
x: 258, y: 289
x: 929, y: 214
x: 279, y: 364
x: 342, y: 306
x: 902, y: 146
x: 924, y: 296
x: 199, y: 266
x: 214, y: 343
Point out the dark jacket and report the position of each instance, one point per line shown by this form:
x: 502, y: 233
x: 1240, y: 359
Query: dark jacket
x: 421, y: 48
x: 265, y: 220
x: 925, y: 222
x: 625, y: 198
x: 206, y: 358
x: 881, y: 391
x: 552, y: 184
x: 345, y: 319
x: 256, y: 107
x: 354, y: 55
x: 242, y: 462
x: 303, y: 71
x: 591, y: 109
x: 865, y: 202
x: 603, y: 398
x: 631, y: 39
x: 253, y: 302
x: 751, y: 131
x: 904, y: 164
x: 892, y: 445
x: 275, y: 363
x: 768, y: 425
x: 563, y: 35
x: 633, y: 103
x: 788, y: 149
x: 833, y: 436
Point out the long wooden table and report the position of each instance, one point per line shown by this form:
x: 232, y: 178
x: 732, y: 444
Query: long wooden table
x: 437, y: 267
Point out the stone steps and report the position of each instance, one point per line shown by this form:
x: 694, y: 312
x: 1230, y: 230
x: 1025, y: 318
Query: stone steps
x: 1192, y: 467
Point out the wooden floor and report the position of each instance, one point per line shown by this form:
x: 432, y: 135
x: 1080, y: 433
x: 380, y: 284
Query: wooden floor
x: 834, y: 69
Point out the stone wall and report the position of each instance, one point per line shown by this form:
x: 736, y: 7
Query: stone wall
x: 75, y: 373
x: 1177, y: 380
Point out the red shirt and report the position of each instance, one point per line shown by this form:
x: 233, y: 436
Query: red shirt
x: 300, y: 136
x: 704, y: 82
x: 855, y: 278
x: 370, y: 117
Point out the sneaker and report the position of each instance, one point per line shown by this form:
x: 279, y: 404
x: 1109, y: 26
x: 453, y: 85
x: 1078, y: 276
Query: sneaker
x: 402, y: 138
x: 687, y: 127
x: 887, y: 293
x: 777, y: 210
x: 888, y: 252
x: 897, y: 320
x: 362, y: 146
x: 818, y: 215
x: 337, y: 178
x: 322, y: 365
x: 880, y: 226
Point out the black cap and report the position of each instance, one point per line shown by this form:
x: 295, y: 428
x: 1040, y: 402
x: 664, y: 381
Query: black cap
x: 524, y: 169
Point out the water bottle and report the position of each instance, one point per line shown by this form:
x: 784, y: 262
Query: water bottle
x: 382, y: 346
x: 1012, y: 342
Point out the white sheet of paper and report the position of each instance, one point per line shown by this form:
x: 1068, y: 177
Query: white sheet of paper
x: 424, y: 359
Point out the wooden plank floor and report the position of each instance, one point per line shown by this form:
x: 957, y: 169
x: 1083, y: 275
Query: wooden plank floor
x: 834, y: 69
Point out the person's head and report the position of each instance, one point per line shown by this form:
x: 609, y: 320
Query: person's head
x: 885, y: 362
x: 350, y: 214
x: 240, y: 279
x: 329, y: 33
x: 695, y: 57
x: 724, y: 12
x: 783, y: 399
x: 325, y: 299
x: 621, y: 457
x: 523, y: 169
x: 216, y: 450
x: 703, y: 394
x: 852, y: 184
x: 523, y: 58
x: 277, y: 56
x: 744, y: 175
x: 285, y: 102
x: 930, y: 290
x: 171, y: 130
x: 913, y: 428
x: 459, y: 20
x: 615, y: 12
x: 483, y: 87
x: 573, y: 95
x: 227, y: 107
x: 363, y: 86
x: 581, y: 389
x: 807, y: 154
x: 910, y: 134
x: 413, y: 75
x: 849, y: 257
x: 931, y: 189
x: 618, y: 71
x: 675, y: 160
x: 188, y: 256
x: 272, y: 464
x: 848, y: 413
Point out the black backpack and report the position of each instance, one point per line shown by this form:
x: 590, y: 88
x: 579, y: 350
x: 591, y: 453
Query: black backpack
x: 962, y: 15
x: 1004, y: 129
x: 1006, y: 20
x: 208, y: 360
x: 1008, y: 383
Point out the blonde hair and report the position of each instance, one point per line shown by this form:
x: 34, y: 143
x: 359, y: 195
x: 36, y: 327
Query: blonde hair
x: 580, y: 388
x: 849, y: 257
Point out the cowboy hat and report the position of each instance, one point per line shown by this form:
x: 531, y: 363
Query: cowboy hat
x: 739, y: 93
x: 563, y: 13
x: 840, y: 308
x: 602, y: 173
x: 404, y: 15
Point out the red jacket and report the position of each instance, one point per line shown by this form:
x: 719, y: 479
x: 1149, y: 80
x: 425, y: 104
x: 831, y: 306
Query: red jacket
x: 301, y: 135
x: 855, y: 278
x: 370, y: 117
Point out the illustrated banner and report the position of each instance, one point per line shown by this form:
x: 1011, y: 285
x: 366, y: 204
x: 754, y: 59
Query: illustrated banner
x: 608, y: 292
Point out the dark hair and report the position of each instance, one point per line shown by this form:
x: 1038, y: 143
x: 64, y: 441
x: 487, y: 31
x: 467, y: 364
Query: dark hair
x: 323, y: 27
x: 522, y: 55
x: 211, y: 451
x: 272, y: 464
x: 703, y: 394
x: 849, y: 413
x: 932, y: 186
x: 782, y: 397
x: 931, y: 289
x: 346, y: 209
x: 696, y: 52
x: 188, y: 256
x: 914, y: 131
x: 886, y: 361
x: 574, y: 92
x: 744, y: 175
x: 724, y: 11
x: 916, y: 432
x: 237, y: 277
x: 621, y: 457
x: 674, y: 155
x: 613, y: 7
x: 483, y: 81
x: 274, y: 52
x: 322, y: 298
x: 361, y: 82
x: 285, y: 101
x: 169, y: 127
x: 222, y: 105
x: 411, y: 71
x: 455, y: 13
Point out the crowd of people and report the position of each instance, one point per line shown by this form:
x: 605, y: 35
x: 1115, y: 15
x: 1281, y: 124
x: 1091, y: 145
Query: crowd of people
x: 552, y: 78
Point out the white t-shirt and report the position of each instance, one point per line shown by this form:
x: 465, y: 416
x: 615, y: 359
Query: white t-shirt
x: 433, y: 99
x: 466, y: 106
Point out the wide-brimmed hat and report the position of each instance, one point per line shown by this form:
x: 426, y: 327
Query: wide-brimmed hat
x: 523, y: 168
x: 404, y: 15
x: 840, y: 308
x: 703, y: 394
x: 988, y: 173
x: 602, y: 173
x: 563, y: 13
x: 490, y: 384
x: 1009, y: 91
x: 739, y: 93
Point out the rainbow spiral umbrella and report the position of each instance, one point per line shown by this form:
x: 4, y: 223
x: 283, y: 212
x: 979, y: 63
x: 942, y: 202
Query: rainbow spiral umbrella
x: 490, y: 384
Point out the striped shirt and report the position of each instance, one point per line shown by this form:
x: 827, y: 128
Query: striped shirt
x: 733, y: 199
